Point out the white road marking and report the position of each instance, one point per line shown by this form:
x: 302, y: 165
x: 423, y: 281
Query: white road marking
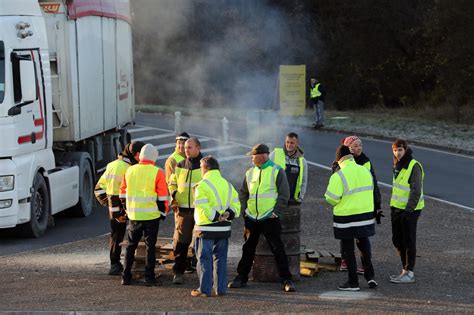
x: 164, y: 135
x: 172, y: 145
x: 423, y: 148
x: 219, y: 148
x: 328, y: 168
x: 345, y: 295
x: 139, y: 129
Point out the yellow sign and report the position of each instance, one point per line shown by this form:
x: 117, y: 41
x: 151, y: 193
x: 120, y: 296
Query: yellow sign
x: 292, y: 89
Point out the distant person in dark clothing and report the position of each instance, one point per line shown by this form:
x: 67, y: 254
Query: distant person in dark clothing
x: 317, y: 96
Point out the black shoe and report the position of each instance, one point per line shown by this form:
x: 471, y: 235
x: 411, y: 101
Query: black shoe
x: 126, y: 280
x: 116, y: 270
x: 151, y: 282
x: 238, y: 282
x: 190, y: 269
x: 288, y: 286
x: 372, y: 284
x: 349, y: 287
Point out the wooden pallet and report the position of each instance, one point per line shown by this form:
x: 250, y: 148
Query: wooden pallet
x: 317, y: 255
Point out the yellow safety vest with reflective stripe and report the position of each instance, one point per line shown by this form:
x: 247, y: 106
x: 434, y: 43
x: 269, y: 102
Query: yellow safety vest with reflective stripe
x: 280, y: 160
x: 141, y: 193
x: 263, y: 192
x: 350, y: 190
x: 214, y: 195
x: 401, y: 188
x: 112, y: 178
x: 183, y: 181
x: 177, y: 157
x: 315, y: 91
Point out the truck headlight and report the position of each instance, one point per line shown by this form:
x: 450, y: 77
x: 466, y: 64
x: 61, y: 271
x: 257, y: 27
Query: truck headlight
x: 7, y: 182
x: 5, y: 203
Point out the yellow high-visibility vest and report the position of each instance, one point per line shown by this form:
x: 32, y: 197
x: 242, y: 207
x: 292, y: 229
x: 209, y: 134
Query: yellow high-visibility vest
x: 350, y: 190
x: 315, y: 91
x: 112, y: 178
x: 183, y: 181
x: 401, y: 188
x: 263, y: 192
x: 141, y: 193
x: 214, y: 195
x: 280, y: 160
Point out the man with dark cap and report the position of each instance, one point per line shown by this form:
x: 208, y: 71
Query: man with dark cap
x: 406, y: 204
x: 265, y: 191
x: 177, y: 156
x: 107, y: 193
x: 350, y: 191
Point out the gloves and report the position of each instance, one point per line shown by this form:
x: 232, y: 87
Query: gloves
x: 378, y: 216
x: 174, y: 205
x: 120, y: 216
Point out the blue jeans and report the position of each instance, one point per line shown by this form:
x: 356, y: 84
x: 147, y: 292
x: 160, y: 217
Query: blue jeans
x: 319, y: 113
x: 212, y: 261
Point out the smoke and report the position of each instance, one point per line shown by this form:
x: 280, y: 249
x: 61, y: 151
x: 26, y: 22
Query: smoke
x: 211, y: 53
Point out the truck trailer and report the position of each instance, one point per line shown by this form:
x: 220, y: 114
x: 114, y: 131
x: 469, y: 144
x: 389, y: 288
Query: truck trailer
x: 66, y: 94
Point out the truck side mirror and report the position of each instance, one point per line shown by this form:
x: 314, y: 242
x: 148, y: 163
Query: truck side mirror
x: 28, y: 81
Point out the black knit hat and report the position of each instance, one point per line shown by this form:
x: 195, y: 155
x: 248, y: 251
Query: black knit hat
x: 182, y: 136
x: 131, y: 149
x: 342, y: 151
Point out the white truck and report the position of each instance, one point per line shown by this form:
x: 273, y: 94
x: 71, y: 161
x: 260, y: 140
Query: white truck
x: 66, y: 92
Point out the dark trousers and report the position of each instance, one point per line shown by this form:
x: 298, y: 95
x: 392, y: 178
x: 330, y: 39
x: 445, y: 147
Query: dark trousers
x: 404, y: 236
x: 117, y: 232
x: 271, y: 229
x: 365, y: 256
x: 137, y: 229
x: 183, y: 234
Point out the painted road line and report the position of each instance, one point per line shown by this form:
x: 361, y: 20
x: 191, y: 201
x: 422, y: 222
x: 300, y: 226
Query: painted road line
x: 233, y: 157
x: 172, y: 145
x: 390, y: 186
x: 139, y: 129
x: 422, y: 148
x: 382, y: 183
x: 220, y: 148
x: 345, y: 295
x: 154, y: 128
x: 165, y: 135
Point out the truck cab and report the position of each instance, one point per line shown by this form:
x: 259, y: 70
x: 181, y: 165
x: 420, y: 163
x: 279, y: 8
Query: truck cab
x: 66, y: 92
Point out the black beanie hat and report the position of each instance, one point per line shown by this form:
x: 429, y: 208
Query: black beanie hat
x: 342, y: 151
x: 182, y: 136
x: 131, y: 149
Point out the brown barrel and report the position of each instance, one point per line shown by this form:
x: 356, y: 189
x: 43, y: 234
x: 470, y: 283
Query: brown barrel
x: 264, y: 265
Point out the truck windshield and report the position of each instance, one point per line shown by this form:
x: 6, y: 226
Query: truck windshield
x: 2, y: 71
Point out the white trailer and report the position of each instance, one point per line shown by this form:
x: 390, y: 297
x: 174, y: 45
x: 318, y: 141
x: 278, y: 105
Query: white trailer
x: 66, y: 92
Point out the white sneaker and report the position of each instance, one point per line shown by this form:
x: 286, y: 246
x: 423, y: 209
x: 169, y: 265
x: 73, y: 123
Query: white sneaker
x: 408, y: 277
x: 393, y: 277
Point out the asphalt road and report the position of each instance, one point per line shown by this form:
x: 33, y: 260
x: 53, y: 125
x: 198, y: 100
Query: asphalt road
x: 448, y: 176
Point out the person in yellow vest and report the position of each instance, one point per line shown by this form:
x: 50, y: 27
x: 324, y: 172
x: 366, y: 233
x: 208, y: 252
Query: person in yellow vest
x: 107, y: 193
x: 144, y: 194
x: 355, y: 146
x: 317, y: 96
x: 406, y: 204
x: 291, y: 159
x: 350, y: 191
x: 264, y: 193
x: 177, y: 156
x: 187, y: 174
x: 216, y: 205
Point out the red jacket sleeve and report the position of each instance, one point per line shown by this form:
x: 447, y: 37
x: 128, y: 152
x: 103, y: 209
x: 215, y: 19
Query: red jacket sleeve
x: 161, y: 188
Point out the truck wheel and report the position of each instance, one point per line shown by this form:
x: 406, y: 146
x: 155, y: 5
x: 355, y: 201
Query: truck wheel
x: 40, y: 209
x: 83, y: 208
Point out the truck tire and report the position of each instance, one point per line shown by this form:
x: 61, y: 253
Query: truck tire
x: 84, y: 206
x: 40, y: 209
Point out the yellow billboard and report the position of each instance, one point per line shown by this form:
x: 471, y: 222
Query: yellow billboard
x: 292, y: 85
